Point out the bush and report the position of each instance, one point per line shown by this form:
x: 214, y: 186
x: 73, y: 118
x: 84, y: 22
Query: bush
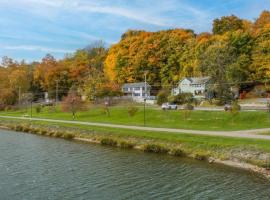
x: 38, y: 109
x: 25, y: 129
x: 132, y: 110
x: 34, y: 131
x: 162, y: 97
x: 181, y: 98
x: 18, y: 128
x: 9, y: 108
x: 177, y: 152
x: 58, y: 134
x: 68, y: 136
x: 155, y: 148
x: 43, y: 132
x: 235, y: 108
x: 188, y: 107
x: 108, y: 141
x: 126, y: 145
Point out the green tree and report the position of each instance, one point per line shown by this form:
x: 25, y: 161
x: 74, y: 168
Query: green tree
x: 216, y: 60
x: 227, y: 23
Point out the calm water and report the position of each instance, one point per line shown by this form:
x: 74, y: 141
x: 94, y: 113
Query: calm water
x: 34, y: 167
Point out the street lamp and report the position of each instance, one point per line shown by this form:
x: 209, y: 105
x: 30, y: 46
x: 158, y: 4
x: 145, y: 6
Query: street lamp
x: 145, y: 91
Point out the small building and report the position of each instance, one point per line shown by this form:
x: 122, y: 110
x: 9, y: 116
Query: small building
x: 198, y: 86
x: 137, y: 90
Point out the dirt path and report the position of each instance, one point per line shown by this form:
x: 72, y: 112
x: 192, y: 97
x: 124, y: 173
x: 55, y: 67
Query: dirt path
x: 254, y: 133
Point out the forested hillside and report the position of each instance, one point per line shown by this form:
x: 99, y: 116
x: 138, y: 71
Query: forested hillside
x: 237, y: 51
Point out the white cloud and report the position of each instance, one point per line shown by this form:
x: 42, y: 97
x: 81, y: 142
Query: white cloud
x: 37, y: 48
x: 152, y: 14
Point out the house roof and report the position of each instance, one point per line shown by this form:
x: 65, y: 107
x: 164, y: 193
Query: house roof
x: 140, y: 84
x: 198, y: 80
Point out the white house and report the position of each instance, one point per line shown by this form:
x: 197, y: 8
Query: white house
x: 196, y: 85
x: 137, y: 90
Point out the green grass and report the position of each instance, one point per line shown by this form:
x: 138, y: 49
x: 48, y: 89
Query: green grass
x: 194, y: 141
x: 197, y: 120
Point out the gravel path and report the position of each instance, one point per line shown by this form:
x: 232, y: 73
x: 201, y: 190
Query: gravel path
x: 254, y: 133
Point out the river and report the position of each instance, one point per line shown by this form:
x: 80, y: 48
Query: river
x: 36, y: 167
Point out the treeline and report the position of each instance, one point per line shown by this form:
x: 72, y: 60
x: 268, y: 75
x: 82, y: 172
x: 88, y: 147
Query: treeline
x: 236, y: 52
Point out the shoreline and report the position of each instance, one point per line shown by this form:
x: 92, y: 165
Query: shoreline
x: 230, y: 163
x: 125, y: 144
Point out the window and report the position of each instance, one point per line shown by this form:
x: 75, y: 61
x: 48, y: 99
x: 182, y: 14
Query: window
x: 137, y: 94
x: 137, y: 88
x: 125, y: 89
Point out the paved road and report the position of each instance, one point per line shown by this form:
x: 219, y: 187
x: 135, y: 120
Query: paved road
x: 254, y: 133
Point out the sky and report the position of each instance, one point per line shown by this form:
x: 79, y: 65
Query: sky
x: 29, y: 29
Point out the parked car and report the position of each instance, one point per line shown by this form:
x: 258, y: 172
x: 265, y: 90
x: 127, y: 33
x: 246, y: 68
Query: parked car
x: 227, y: 107
x: 47, y: 102
x: 168, y: 106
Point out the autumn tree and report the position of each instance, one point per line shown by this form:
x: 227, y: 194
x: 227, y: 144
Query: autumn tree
x: 73, y: 103
x: 261, y: 56
x: 227, y: 23
x: 262, y: 21
x: 159, y: 53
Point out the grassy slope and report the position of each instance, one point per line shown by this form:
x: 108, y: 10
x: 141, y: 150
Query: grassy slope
x: 195, y: 146
x: 197, y: 120
x: 194, y: 142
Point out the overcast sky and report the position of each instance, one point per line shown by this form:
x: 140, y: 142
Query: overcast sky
x: 31, y: 28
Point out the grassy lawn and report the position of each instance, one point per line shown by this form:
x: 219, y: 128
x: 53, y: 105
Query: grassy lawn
x: 194, y: 142
x: 197, y: 120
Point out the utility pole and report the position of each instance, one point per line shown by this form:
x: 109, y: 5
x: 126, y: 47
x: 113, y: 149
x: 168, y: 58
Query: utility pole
x: 56, y: 92
x: 19, y: 96
x: 31, y: 109
x: 145, y: 90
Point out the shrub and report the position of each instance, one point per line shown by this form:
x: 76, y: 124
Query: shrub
x: 38, y: 109
x: 58, y: 134
x: 43, y: 132
x: 155, y: 148
x: 25, y: 129
x: 18, y: 128
x: 106, y: 110
x: 108, y: 141
x: 235, y: 108
x: 182, y: 98
x: 132, y: 110
x: 177, y: 152
x: 188, y: 107
x: 126, y: 145
x: 34, y: 130
x: 50, y: 133
x: 9, y: 108
x: 162, y: 97
x: 68, y: 136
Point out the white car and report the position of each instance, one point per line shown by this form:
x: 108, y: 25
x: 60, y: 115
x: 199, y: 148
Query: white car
x: 168, y: 106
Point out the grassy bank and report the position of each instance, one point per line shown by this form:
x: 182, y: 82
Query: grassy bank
x: 155, y: 117
x: 251, y: 151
